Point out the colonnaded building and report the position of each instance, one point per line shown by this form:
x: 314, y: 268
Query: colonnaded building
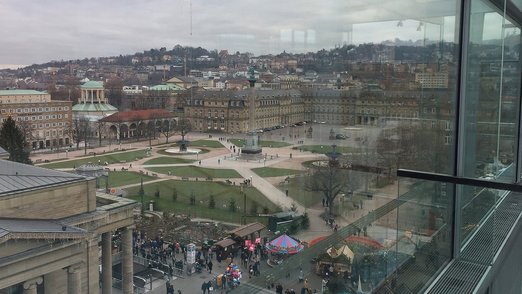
x: 52, y: 225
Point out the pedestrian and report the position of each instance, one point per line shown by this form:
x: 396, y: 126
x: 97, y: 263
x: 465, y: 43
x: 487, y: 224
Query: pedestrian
x: 223, y: 281
x: 301, y: 275
x: 209, y: 265
x: 200, y: 162
x: 323, y: 202
x: 219, y: 161
x: 204, y: 287
x: 279, y: 289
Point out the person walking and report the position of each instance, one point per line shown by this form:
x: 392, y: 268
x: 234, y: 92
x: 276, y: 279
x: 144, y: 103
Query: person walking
x: 204, y: 287
x: 209, y: 265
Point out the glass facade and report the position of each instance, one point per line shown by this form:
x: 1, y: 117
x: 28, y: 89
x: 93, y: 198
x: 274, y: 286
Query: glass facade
x: 465, y: 126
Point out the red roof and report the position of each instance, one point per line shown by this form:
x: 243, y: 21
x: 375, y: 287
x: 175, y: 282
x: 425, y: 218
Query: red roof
x: 135, y: 115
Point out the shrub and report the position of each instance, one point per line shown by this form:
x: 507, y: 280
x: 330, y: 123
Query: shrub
x: 174, y: 194
x: 192, y: 198
x: 232, y: 205
x: 212, y: 202
x: 253, y: 208
x: 305, y: 221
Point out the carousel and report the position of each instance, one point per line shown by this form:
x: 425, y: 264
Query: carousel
x: 281, y: 247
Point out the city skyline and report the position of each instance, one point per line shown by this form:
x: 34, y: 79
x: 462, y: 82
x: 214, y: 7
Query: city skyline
x: 60, y: 30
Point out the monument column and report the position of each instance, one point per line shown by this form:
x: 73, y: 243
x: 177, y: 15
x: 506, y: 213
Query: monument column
x: 107, y: 263
x: 127, y: 261
x: 30, y: 285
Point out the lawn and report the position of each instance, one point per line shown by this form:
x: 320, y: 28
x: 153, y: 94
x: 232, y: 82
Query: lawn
x: 266, y: 172
x: 296, y: 190
x: 120, y: 178
x: 271, y: 144
x: 222, y: 193
x: 100, y: 159
x: 195, y: 171
x: 326, y: 148
x: 167, y: 160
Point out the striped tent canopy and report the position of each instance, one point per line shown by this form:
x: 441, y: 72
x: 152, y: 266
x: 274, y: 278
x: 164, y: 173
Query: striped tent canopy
x: 284, y: 245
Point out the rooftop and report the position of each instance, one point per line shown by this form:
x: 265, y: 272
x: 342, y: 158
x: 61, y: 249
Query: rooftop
x: 92, y: 85
x: 21, y: 92
x: 94, y: 107
x: 37, y: 229
x: 16, y: 177
x: 134, y: 115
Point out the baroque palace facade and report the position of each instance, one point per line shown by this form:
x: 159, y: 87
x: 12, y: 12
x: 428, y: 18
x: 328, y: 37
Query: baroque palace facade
x: 227, y: 110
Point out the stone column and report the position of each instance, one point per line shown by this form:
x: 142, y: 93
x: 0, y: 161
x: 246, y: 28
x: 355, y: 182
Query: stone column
x: 73, y: 279
x: 107, y: 263
x: 55, y: 282
x: 127, y: 270
x: 30, y: 285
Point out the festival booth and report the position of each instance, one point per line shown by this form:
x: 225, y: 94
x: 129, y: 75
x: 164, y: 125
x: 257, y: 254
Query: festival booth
x: 337, y: 259
x: 281, y: 247
x: 250, y: 232
x: 225, y: 248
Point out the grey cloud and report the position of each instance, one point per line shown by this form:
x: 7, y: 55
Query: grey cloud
x: 38, y: 31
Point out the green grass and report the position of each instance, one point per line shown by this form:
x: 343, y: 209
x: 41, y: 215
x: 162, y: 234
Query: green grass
x: 202, y: 191
x: 206, y: 143
x: 273, y: 144
x: 296, y: 190
x: 326, y: 148
x: 120, y: 178
x: 275, y: 172
x: 110, y: 158
x: 195, y: 171
x: 167, y: 160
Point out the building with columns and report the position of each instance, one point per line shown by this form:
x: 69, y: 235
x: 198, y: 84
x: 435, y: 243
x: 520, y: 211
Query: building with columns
x: 52, y: 226
x: 92, y: 106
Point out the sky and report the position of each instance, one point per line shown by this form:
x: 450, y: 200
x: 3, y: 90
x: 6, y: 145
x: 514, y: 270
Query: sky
x: 35, y: 31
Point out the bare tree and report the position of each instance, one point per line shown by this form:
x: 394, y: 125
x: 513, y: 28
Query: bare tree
x: 414, y: 147
x: 183, y: 127
x: 80, y: 131
x: 26, y: 128
x: 166, y: 129
x: 102, y: 130
x: 330, y: 179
